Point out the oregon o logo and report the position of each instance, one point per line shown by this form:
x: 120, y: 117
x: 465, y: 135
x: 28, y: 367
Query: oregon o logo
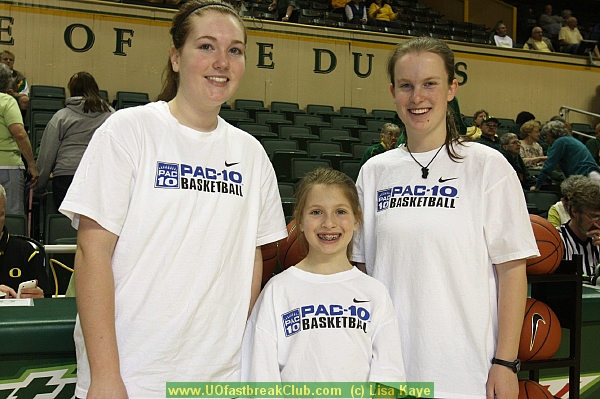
x: 15, y: 272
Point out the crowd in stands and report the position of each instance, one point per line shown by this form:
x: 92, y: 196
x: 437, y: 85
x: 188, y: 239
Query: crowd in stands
x: 550, y: 32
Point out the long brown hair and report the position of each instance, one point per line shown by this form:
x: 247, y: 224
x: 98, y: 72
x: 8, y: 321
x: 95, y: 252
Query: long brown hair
x: 180, y: 29
x: 83, y: 84
x: 427, y: 44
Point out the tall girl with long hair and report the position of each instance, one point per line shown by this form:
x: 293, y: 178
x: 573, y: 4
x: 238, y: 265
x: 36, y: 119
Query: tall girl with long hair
x: 437, y: 234
x: 172, y: 205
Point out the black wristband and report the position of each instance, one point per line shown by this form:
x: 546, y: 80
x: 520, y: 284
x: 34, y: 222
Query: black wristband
x: 514, y: 366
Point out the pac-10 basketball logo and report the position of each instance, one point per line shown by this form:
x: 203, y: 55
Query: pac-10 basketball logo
x: 383, y: 199
x: 167, y: 175
x: 291, y: 322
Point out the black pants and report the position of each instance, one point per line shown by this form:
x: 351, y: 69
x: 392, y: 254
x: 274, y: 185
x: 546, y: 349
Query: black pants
x: 60, y: 185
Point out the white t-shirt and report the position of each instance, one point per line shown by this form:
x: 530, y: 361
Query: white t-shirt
x: 310, y: 327
x: 505, y: 41
x: 433, y: 243
x: 189, y: 208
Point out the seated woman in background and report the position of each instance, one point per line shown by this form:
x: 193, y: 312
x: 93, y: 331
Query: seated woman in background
x: 474, y: 132
x: 383, y: 14
x: 531, y: 152
x: 558, y: 213
x: 68, y: 133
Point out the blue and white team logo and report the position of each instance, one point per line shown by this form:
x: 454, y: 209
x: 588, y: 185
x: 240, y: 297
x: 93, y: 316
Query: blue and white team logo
x: 291, y: 322
x: 167, y: 175
x: 383, y: 199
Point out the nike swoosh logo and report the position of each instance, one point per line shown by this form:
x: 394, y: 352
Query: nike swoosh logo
x: 445, y: 180
x: 535, y: 320
x: 357, y: 301
x: 230, y: 164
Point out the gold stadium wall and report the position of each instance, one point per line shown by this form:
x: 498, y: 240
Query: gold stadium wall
x: 125, y: 47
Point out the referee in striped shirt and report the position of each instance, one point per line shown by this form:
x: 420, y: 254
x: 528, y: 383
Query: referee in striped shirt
x: 581, y: 234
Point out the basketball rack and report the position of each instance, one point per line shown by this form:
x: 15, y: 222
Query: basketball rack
x: 561, y: 291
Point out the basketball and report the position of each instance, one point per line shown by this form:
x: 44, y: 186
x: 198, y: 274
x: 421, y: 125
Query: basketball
x: 269, y: 256
x: 532, y: 390
x: 290, y: 252
x: 549, y: 244
x: 541, y: 334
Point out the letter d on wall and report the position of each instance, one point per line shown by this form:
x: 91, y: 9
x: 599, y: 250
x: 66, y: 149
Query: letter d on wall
x: 332, y: 60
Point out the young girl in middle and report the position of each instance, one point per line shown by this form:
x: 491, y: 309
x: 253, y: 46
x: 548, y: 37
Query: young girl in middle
x: 323, y: 320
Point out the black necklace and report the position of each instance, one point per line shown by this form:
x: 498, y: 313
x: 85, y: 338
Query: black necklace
x: 424, y: 169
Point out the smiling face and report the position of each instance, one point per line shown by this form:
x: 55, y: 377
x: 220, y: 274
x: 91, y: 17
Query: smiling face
x: 328, y: 222
x: 211, y: 62
x: 421, y: 93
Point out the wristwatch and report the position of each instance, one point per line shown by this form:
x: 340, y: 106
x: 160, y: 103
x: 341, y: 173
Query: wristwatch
x: 514, y: 366
x: 287, y: 16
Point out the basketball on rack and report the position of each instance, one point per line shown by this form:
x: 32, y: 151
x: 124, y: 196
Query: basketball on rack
x: 541, y: 334
x: 532, y: 390
x: 549, y: 244
x: 290, y: 252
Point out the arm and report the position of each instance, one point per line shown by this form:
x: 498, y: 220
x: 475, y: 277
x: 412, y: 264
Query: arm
x: 373, y: 10
x: 348, y: 12
x: 512, y: 293
x: 47, y: 156
x: 531, y: 161
x: 10, y: 293
x: 94, y: 283
x: 20, y: 136
x: 554, y: 155
x: 256, y: 278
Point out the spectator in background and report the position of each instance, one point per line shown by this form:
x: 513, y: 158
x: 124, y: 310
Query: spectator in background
x: 501, y: 38
x: 565, y: 14
x: 356, y: 12
x: 511, y: 150
x: 523, y: 117
x: 19, y: 88
x: 558, y: 213
x: 338, y: 6
x: 14, y: 143
x: 287, y: 10
x: 19, y: 262
x: 474, y: 131
x: 569, y: 38
x: 594, y: 145
x: 531, y: 152
x: 383, y: 14
x: 551, y: 24
x: 390, y: 134
x: 489, y: 127
x: 538, y: 42
x: 568, y: 152
x: 581, y: 235
x: 68, y: 133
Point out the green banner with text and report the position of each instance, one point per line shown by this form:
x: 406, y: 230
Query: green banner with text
x: 300, y: 390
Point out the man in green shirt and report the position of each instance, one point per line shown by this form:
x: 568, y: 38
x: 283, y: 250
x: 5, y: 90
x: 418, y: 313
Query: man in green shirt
x: 390, y: 134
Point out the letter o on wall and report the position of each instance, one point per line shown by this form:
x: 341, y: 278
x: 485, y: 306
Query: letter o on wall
x: 90, y: 38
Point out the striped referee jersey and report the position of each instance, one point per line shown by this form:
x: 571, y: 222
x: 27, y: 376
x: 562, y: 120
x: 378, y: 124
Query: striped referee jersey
x: 574, y: 246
